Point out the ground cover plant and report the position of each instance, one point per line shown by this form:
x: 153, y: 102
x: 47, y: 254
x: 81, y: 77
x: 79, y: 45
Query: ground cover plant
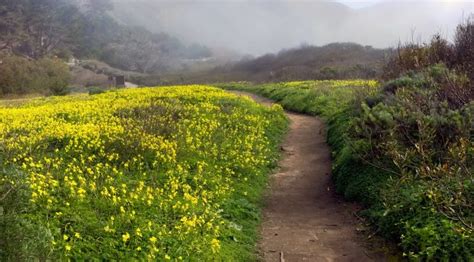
x: 321, y: 97
x: 166, y: 173
x: 403, y: 148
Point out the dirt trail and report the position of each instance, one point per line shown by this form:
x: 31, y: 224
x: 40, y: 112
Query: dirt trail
x: 303, y: 218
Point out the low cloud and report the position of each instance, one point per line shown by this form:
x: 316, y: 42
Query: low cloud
x: 257, y: 27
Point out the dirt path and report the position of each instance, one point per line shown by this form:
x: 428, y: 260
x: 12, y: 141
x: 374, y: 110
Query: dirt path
x: 303, y: 219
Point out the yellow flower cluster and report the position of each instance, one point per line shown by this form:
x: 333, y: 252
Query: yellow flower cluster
x: 332, y: 83
x: 139, y: 173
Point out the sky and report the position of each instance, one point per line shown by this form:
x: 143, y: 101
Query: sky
x: 357, y: 4
x: 257, y: 27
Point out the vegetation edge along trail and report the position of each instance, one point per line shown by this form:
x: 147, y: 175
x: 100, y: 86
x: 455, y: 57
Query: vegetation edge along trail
x: 366, y: 123
x: 303, y: 218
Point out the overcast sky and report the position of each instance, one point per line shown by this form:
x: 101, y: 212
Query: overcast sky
x: 356, y: 4
x: 261, y: 26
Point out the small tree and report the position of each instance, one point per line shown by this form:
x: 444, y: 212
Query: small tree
x: 464, y: 47
x: 55, y: 76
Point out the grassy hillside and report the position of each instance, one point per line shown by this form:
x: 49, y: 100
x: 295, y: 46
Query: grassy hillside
x: 153, y: 173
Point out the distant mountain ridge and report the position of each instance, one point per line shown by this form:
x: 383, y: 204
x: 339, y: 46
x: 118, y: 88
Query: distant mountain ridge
x: 332, y: 61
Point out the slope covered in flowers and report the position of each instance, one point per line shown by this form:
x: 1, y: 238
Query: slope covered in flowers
x: 152, y: 173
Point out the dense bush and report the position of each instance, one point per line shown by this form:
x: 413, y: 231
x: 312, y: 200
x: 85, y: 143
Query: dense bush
x: 421, y: 127
x: 46, y: 76
x: 422, y: 135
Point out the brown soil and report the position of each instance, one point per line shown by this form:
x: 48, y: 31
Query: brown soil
x: 303, y: 218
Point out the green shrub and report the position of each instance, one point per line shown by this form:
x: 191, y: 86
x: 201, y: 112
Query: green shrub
x: 54, y: 77
x: 96, y: 90
x: 420, y: 130
x: 22, y: 238
x: 18, y: 75
x: 45, y: 76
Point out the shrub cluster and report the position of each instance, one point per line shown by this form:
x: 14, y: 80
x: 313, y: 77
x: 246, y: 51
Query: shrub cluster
x: 47, y: 76
x: 421, y: 136
x: 420, y: 128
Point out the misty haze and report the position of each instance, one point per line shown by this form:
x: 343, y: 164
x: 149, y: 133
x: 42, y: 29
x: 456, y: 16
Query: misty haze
x: 236, y: 130
x: 257, y: 27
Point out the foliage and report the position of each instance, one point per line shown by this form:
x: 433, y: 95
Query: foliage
x: 464, y: 47
x: 96, y: 90
x: 421, y: 128
x: 424, y: 138
x: 44, y: 76
x: 55, y: 76
x: 322, y: 97
x: 152, y: 173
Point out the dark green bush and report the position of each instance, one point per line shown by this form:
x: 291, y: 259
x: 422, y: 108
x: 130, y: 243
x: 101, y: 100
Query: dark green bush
x: 96, y: 90
x: 18, y: 75
x: 420, y: 130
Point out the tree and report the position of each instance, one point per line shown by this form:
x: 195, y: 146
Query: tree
x: 11, y: 25
x: 46, y: 31
x: 464, y: 46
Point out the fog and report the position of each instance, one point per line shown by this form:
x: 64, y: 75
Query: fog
x: 256, y: 27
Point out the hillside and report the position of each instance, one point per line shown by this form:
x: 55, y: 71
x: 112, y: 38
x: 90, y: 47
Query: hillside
x: 337, y: 60
x: 332, y: 61
x: 135, y: 175
x: 84, y: 29
x: 188, y: 130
